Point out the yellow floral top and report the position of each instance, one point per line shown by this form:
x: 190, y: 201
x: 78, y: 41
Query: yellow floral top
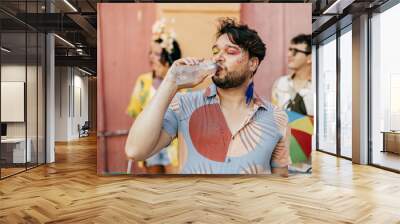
x: 141, y: 96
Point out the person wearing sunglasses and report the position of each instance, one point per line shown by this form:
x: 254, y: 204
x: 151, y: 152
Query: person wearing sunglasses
x: 294, y: 92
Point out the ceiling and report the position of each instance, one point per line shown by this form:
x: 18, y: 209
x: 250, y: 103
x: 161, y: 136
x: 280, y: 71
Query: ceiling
x: 329, y: 16
x: 76, y: 20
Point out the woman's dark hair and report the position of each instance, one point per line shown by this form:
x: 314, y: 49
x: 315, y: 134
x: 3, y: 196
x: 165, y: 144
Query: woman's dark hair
x: 173, y: 56
x: 241, y: 35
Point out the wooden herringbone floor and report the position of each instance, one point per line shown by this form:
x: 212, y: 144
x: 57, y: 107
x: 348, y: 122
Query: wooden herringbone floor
x: 69, y: 191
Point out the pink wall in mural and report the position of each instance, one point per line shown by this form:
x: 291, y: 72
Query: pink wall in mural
x: 276, y: 24
x: 124, y: 33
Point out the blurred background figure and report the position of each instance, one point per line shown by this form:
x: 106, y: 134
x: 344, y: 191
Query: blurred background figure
x: 164, y: 50
x: 293, y: 92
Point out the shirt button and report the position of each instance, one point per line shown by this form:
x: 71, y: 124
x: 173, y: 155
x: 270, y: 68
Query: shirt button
x: 229, y: 160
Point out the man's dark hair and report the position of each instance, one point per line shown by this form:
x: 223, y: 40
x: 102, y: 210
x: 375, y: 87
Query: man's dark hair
x: 241, y: 35
x: 170, y: 57
x: 302, y: 39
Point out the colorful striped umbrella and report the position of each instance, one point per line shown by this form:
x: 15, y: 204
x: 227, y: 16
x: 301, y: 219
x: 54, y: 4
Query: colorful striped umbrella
x: 301, y: 136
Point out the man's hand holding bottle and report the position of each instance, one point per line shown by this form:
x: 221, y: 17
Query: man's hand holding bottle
x: 189, y: 72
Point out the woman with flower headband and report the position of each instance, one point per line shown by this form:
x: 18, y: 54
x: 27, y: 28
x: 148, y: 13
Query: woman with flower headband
x: 164, y: 50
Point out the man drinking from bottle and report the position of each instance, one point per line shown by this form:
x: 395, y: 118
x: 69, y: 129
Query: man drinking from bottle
x: 223, y: 129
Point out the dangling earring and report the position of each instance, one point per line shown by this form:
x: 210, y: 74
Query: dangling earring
x: 249, y: 93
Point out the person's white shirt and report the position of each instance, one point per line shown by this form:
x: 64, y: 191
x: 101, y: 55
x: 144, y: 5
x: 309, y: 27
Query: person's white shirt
x: 283, y: 91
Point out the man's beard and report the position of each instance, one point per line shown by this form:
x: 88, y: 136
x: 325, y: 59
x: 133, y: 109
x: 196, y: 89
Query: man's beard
x: 231, y: 80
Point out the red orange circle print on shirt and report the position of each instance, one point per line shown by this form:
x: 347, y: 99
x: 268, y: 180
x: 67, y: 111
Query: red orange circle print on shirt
x: 209, y: 132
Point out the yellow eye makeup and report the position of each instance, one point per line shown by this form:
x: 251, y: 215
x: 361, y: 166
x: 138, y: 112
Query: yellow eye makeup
x: 215, y: 51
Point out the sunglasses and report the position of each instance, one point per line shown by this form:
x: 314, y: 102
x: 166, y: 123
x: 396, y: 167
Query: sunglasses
x: 294, y: 51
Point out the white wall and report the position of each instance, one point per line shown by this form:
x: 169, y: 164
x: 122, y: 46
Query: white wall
x: 34, y: 125
x: 12, y: 73
x: 80, y: 109
x: 61, y: 103
x: 71, y: 94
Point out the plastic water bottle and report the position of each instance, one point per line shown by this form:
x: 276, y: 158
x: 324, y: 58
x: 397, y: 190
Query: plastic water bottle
x: 189, y: 73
